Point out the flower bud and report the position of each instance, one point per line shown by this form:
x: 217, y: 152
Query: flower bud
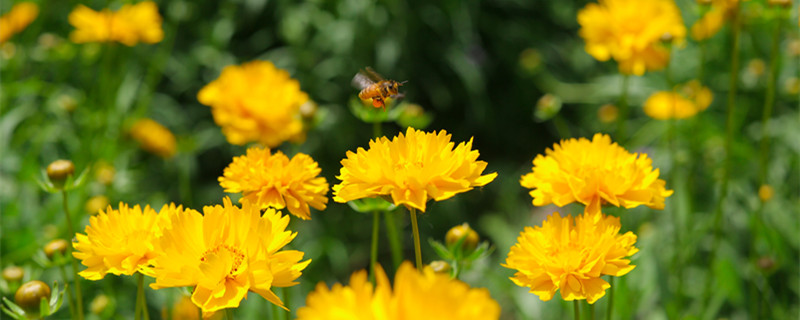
x: 765, y: 192
x: 57, y: 245
x: 440, y: 266
x: 462, y: 231
x: 96, y: 203
x: 30, y: 295
x: 59, y: 170
x: 99, y: 304
x: 607, y: 113
x: 13, y: 273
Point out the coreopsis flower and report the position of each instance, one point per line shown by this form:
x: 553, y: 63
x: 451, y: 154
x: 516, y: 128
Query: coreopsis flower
x: 709, y: 24
x: 416, y: 295
x: 226, y: 252
x: 129, y: 25
x: 594, y: 173
x: 256, y: 101
x: 632, y: 32
x: 685, y: 102
x: 17, y: 19
x: 411, y: 169
x: 272, y: 180
x: 121, y: 241
x: 154, y: 137
x: 571, y: 255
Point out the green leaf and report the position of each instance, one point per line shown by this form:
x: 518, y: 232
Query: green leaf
x: 13, y: 309
x: 441, y: 250
x: 369, y: 205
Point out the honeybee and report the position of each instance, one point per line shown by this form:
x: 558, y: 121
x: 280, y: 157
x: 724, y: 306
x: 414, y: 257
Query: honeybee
x: 375, y: 87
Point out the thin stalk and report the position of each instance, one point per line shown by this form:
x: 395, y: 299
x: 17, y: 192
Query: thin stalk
x: 623, y: 109
x: 141, y: 299
x: 376, y: 130
x: 415, y: 228
x: 561, y: 126
x: 229, y: 314
x: 78, y: 296
x: 610, y: 309
x: 577, y: 307
x: 591, y: 311
x: 287, y: 301
x: 395, y: 243
x: 276, y: 313
x: 769, y: 100
x: 373, y: 256
x: 69, y: 296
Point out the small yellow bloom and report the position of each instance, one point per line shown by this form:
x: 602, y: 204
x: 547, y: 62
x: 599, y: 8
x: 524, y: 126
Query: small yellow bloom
x: 709, y: 24
x: 608, y: 113
x: 571, y: 255
x: 765, y: 192
x: 104, y: 172
x: 129, y: 25
x: 272, y: 180
x: 594, y: 173
x: 631, y: 32
x: 154, y: 137
x: 416, y: 295
x: 411, y: 169
x: 96, y: 204
x: 121, y: 241
x: 17, y: 19
x: 681, y: 104
x: 256, y: 102
x: 226, y: 252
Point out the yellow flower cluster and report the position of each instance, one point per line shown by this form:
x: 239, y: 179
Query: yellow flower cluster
x: 17, y: 19
x: 683, y: 103
x: 272, y: 180
x: 154, y: 137
x: 411, y: 169
x: 256, y: 102
x: 594, y: 173
x: 571, y: 255
x: 129, y: 25
x: 416, y: 295
x: 632, y: 32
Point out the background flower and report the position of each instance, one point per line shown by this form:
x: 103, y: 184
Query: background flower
x: 412, y: 169
x: 594, y: 173
x: 129, y: 25
x: 17, y: 19
x: 154, y: 137
x: 685, y: 102
x: 272, y: 180
x: 571, y: 255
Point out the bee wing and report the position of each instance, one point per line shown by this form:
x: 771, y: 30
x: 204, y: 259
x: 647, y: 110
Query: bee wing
x: 372, y: 74
x: 361, y: 81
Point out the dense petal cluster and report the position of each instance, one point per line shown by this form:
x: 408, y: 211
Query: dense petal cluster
x: 631, y: 32
x: 226, y: 252
x: 154, y: 137
x: 571, y: 255
x: 273, y: 180
x: 256, y: 101
x: 17, y: 19
x: 121, y: 241
x: 683, y: 103
x: 411, y: 169
x: 129, y: 25
x: 416, y: 295
x: 594, y: 173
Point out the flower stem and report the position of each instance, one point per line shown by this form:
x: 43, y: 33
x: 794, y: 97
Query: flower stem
x: 623, y: 109
x: 78, y: 297
x: 229, y: 313
x: 373, y: 255
x: 395, y: 242
x: 769, y: 100
x: 577, y: 307
x: 591, y: 311
x: 610, y: 309
x: 69, y: 295
x: 415, y: 228
x: 141, y: 299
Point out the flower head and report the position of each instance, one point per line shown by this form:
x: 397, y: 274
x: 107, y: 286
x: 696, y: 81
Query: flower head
x: 593, y: 173
x: 154, y: 137
x: 678, y: 104
x: 272, y: 180
x: 256, y: 102
x: 416, y: 295
x: 17, y: 19
x: 631, y: 32
x: 226, y: 252
x: 571, y: 255
x: 412, y: 169
x: 120, y: 241
x: 129, y: 25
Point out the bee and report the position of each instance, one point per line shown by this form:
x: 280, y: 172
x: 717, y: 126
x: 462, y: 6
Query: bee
x: 375, y: 87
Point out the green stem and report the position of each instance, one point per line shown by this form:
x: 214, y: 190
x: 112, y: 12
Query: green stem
x: 276, y: 313
x: 623, y: 109
x: 373, y: 256
x: 229, y: 313
x: 287, y: 301
x: 561, y: 126
x: 141, y: 299
x: 610, y: 309
x: 577, y: 307
x: 769, y: 100
x: 78, y: 296
x: 591, y: 311
x: 417, y: 248
x: 69, y: 295
x: 377, y: 132
x: 395, y: 243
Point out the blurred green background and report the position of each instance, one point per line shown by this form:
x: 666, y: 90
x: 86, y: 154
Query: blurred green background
x: 478, y: 68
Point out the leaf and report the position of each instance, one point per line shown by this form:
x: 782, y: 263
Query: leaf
x: 441, y: 250
x: 369, y: 205
x: 13, y: 309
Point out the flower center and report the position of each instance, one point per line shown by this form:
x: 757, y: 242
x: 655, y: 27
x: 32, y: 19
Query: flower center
x: 235, y: 254
x: 405, y: 165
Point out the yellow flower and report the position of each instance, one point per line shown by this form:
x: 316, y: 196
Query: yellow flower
x: 765, y: 192
x: 416, y: 295
x: 631, y: 32
x: 226, y: 252
x: 96, y: 204
x: 120, y: 241
x: 412, y: 169
x: 17, y: 19
x: 594, y: 173
x: 154, y: 137
x: 684, y: 103
x: 256, y: 102
x: 272, y: 180
x: 129, y: 25
x: 571, y: 255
